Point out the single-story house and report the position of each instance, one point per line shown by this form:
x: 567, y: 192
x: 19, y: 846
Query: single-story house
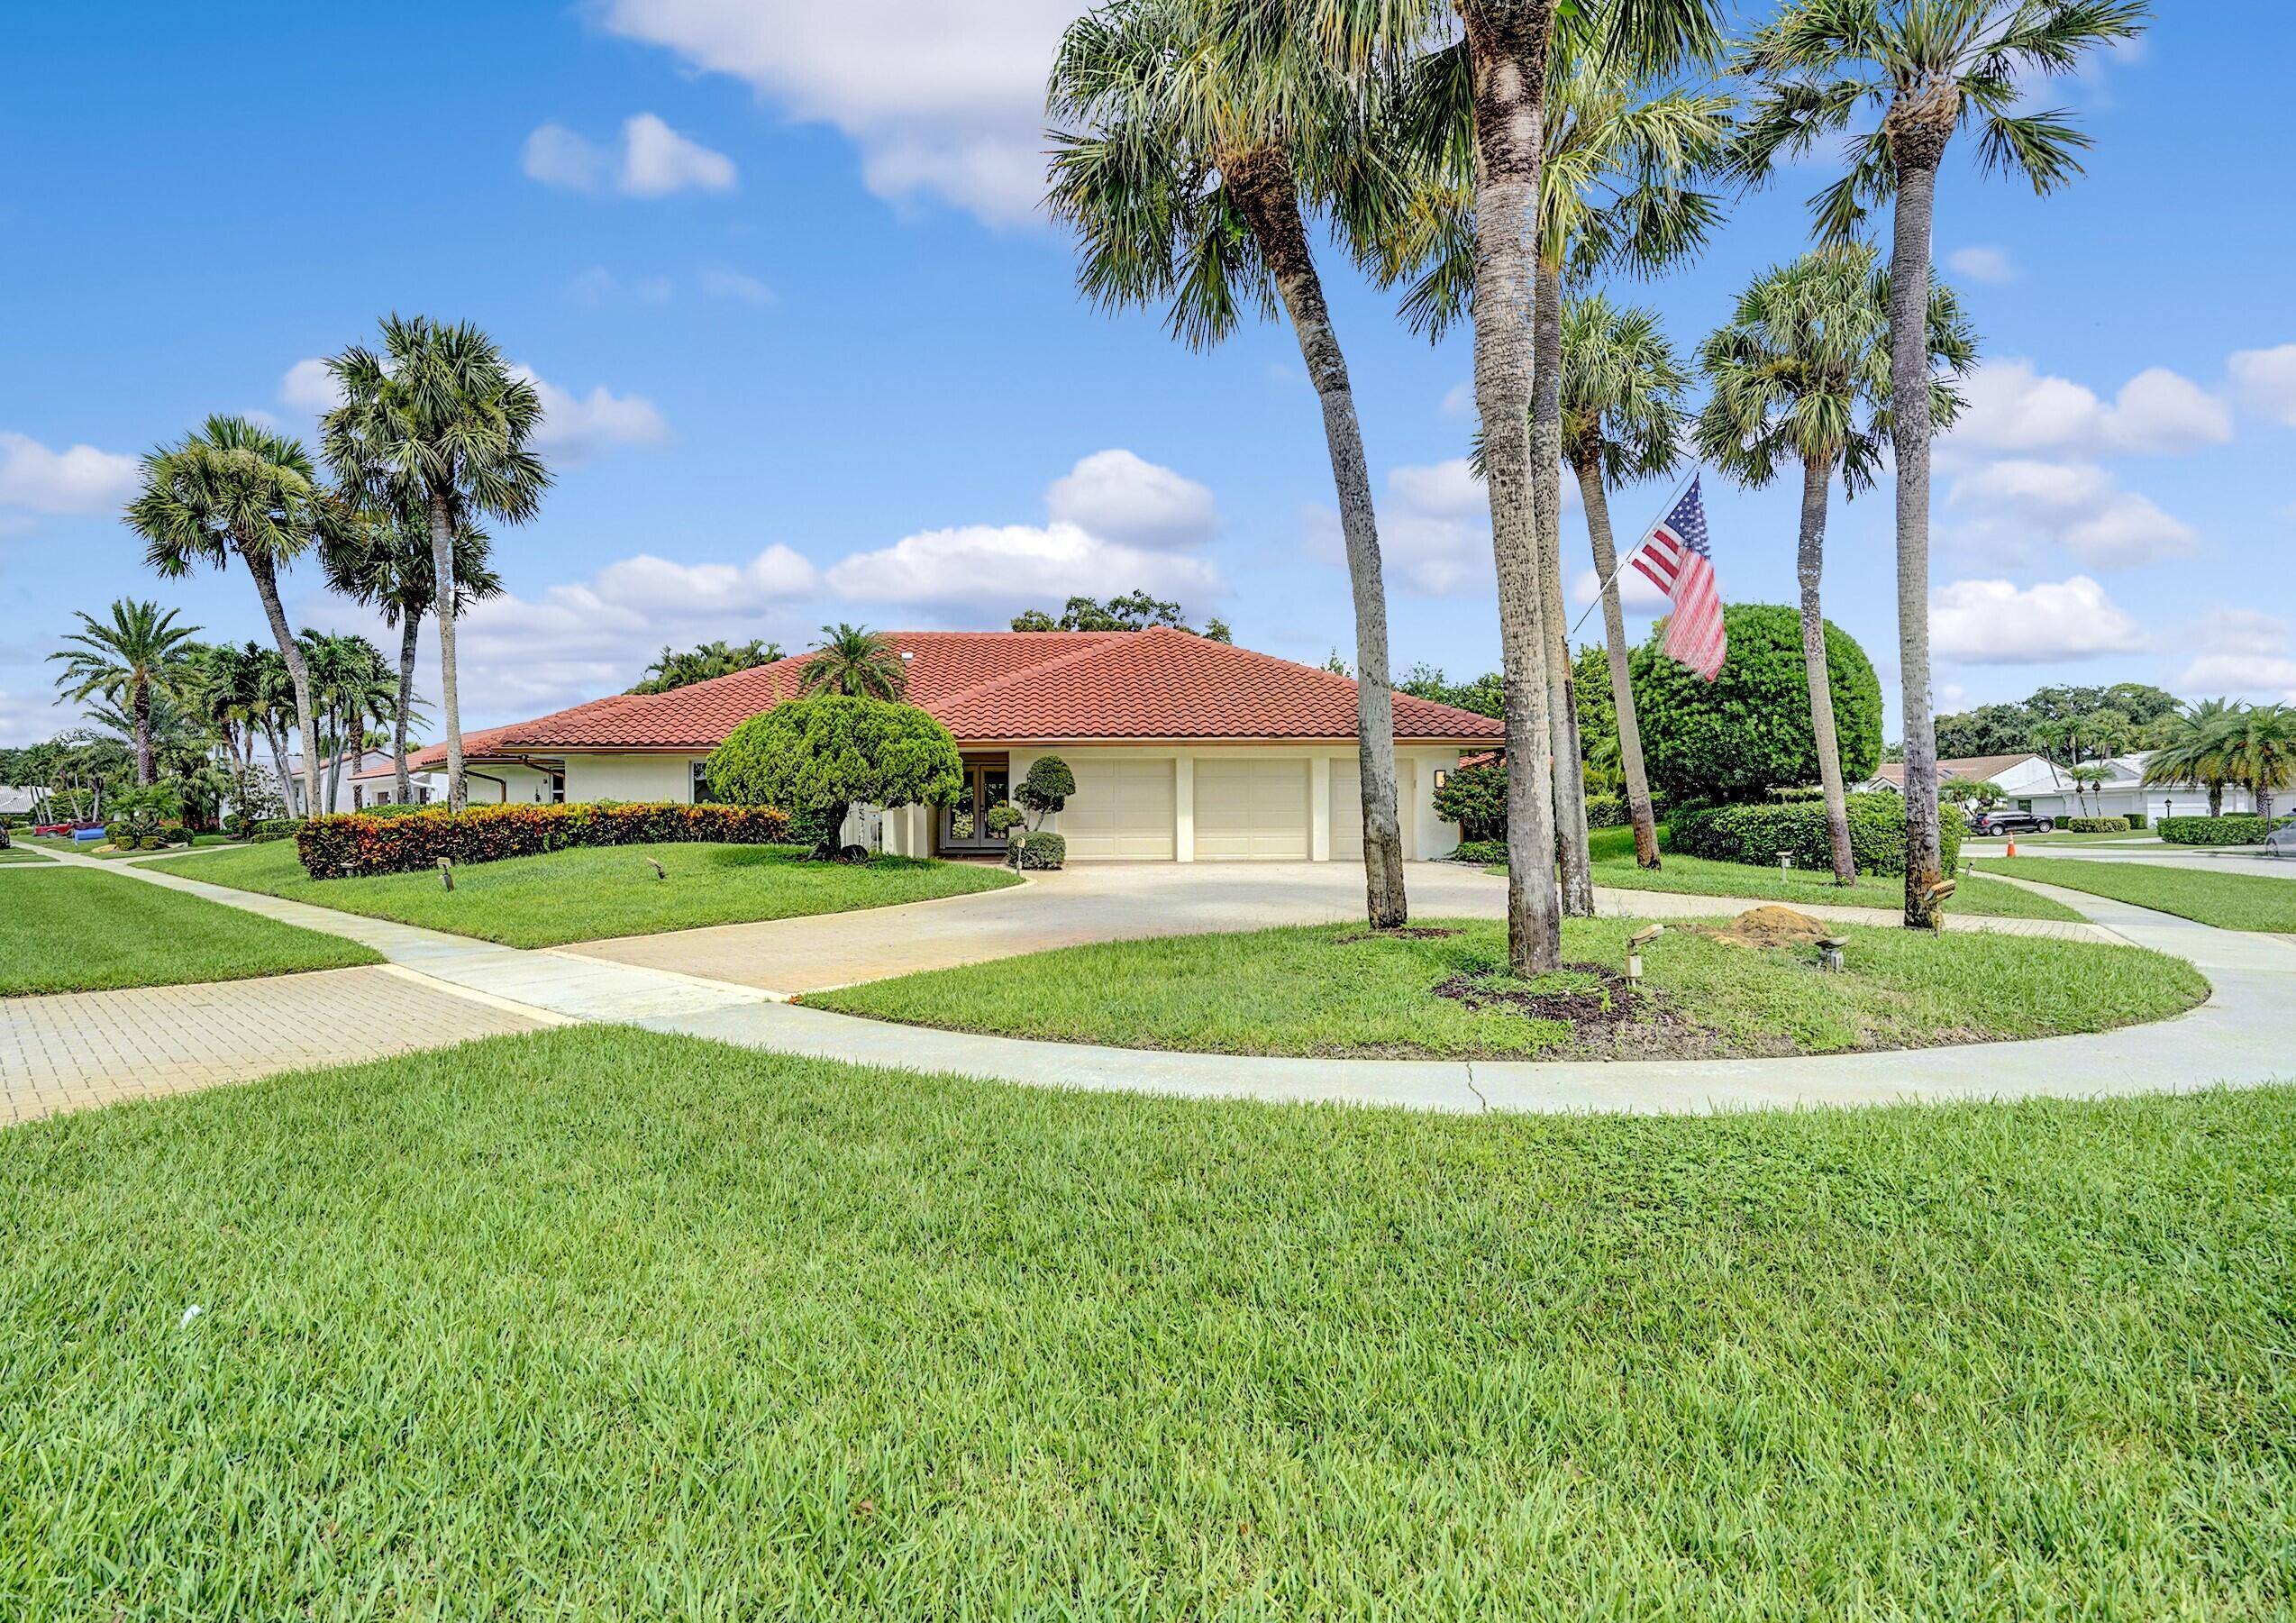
x: 1184, y: 748
x: 2034, y: 783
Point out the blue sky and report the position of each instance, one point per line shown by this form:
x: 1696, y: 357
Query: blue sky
x: 811, y: 354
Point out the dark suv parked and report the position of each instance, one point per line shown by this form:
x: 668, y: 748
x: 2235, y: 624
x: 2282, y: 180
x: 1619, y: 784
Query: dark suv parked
x: 2010, y: 823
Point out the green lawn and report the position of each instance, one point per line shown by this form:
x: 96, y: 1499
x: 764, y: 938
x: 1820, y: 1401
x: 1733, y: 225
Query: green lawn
x: 1307, y: 990
x: 2065, y: 836
x: 601, y: 891
x: 53, y: 842
x: 19, y: 853
x: 2230, y: 901
x: 74, y: 930
x: 605, y: 1325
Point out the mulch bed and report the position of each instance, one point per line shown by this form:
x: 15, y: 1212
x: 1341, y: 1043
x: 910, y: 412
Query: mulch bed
x: 1586, y: 1011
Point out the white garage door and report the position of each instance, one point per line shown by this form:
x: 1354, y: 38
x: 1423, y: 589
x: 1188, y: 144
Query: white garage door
x: 1121, y: 809
x: 1347, y: 809
x: 1251, y: 810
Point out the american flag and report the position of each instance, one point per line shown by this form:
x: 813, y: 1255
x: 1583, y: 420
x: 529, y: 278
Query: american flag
x: 1674, y: 558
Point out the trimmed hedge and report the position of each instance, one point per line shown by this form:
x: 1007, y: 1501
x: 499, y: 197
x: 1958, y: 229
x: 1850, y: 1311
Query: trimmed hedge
x: 1757, y: 834
x: 2097, y: 825
x: 2234, y: 830
x: 1037, y: 849
x: 1482, y: 852
x: 358, y: 843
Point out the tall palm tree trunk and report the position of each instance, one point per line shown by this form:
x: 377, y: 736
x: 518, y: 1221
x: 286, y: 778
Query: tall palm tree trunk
x: 1561, y: 675
x: 1597, y: 501
x: 410, y: 626
x: 267, y: 587
x: 449, y: 694
x: 1909, y: 383
x: 1809, y: 565
x: 1262, y: 185
x: 142, y: 704
x: 1508, y: 46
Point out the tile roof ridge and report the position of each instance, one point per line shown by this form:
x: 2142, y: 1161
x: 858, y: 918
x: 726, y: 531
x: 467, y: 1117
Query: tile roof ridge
x: 1101, y: 640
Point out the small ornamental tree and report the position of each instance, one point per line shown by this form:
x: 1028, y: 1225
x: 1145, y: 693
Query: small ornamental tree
x: 1045, y: 789
x: 1749, y: 730
x: 1475, y: 798
x: 823, y: 756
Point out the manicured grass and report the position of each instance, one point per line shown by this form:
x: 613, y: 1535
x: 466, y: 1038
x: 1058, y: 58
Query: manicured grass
x: 589, y: 894
x: 18, y: 852
x: 2230, y: 901
x: 605, y: 1325
x: 1697, y: 875
x: 2065, y: 836
x: 74, y: 930
x: 53, y: 842
x: 1308, y: 991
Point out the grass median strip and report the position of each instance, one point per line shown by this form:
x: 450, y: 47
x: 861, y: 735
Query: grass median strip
x: 2229, y: 901
x: 76, y: 930
x: 600, y: 891
x: 1802, y: 888
x: 605, y: 1324
x: 1337, y: 990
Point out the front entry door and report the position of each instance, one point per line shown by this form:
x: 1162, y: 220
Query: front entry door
x: 964, y: 826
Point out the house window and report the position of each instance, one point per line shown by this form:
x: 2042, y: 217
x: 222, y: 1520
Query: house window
x: 557, y: 788
x: 2025, y: 805
x: 702, y: 797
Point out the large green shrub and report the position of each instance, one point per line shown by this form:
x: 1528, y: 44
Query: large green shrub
x: 1756, y: 834
x: 820, y: 757
x: 337, y: 847
x: 1045, y: 789
x: 1475, y: 797
x: 1039, y: 849
x: 2233, y: 830
x: 1749, y: 730
x: 2096, y: 826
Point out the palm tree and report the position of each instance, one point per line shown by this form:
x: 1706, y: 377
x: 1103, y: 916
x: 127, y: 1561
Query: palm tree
x: 2193, y: 749
x: 2260, y: 752
x: 438, y: 425
x: 1193, y: 161
x: 140, y: 652
x: 1802, y: 373
x: 855, y: 661
x: 389, y: 565
x: 1622, y: 157
x: 236, y: 488
x: 1931, y: 66
x: 680, y: 667
x: 1622, y: 420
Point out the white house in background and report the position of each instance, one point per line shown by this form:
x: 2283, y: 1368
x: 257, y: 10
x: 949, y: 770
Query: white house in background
x: 352, y: 792
x: 2034, y: 783
x: 1184, y: 749
x: 18, y: 802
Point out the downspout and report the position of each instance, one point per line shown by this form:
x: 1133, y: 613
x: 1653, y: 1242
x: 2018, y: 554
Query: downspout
x: 502, y: 784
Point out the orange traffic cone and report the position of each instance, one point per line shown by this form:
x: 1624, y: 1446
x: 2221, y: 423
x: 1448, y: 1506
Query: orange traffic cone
x: 2012, y: 850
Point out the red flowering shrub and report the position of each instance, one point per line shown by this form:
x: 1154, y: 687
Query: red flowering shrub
x: 337, y: 847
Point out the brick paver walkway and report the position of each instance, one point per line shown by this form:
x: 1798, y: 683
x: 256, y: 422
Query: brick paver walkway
x: 76, y: 1049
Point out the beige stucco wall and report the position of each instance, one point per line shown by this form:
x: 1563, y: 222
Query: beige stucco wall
x: 492, y: 783
x: 651, y: 778
x: 908, y: 831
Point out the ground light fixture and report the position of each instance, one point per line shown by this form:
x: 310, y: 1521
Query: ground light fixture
x: 446, y: 872
x: 1785, y: 860
x: 1829, y: 953
x: 1634, y: 945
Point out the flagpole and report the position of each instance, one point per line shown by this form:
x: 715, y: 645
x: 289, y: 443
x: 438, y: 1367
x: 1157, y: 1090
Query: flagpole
x: 1618, y: 568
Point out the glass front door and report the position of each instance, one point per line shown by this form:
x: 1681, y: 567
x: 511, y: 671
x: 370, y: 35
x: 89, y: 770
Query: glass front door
x: 964, y: 826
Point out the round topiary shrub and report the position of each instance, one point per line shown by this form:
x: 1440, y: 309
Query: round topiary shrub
x: 1750, y: 730
x: 818, y: 758
x: 1475, y: 798
x: 1037, y: 849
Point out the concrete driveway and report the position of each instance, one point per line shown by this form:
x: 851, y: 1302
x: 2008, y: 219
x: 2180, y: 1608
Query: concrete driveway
x: 1096, y: 901
x: 1123, y: 901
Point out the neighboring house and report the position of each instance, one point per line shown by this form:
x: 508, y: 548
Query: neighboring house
x: 1184, y: 749
x: 2034, y: 783
x: 16, y: 802
x: 361, y: 779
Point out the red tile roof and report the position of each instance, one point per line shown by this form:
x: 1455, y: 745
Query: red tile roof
x: 1010, y: 686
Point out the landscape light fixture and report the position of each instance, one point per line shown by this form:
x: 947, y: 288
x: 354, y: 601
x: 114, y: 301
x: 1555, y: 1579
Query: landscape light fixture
x: 1441, y: 778
x: 1829, y: 953
x: 1634, y: 945
x: 1785, y: 860
x: 446, y: 872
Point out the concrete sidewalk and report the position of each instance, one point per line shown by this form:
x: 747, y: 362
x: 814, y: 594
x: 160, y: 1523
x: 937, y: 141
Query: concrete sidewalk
x: 2245, y: 1035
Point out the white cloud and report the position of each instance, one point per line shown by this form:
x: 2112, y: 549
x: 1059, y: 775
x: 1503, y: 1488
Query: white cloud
x: 1982, y: 263
x: 1996, y: 622
x: 79, y: 480
x: 656, y: 160
x: 576, y: 428
x: 1119, y: 496
x: 31, y: 718
x: 1634, y: 590
x: 2248, y: 652
x: 2076, y: 505
x: 309, y: 386
x: 2243, y: 631
x: 1459, y: 400
x: 722, y: 281
x: 945, y: 98
x: 2266, y: 380
x: 1435, y: 529
x: 994, y: 570
x: 653, y: 161
x: 2014, y: 409
x: 580, y: 639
